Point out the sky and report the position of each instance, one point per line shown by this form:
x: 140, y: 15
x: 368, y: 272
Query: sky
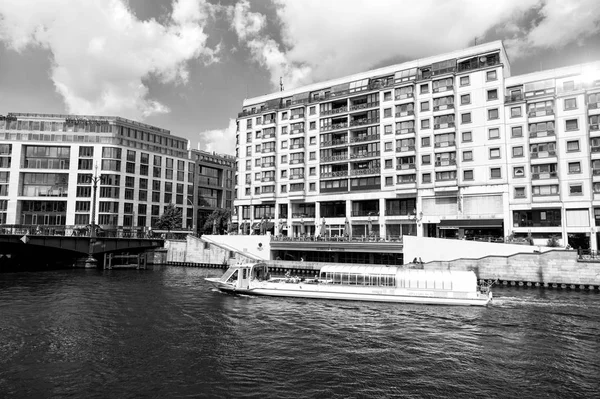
x: 187, y: 65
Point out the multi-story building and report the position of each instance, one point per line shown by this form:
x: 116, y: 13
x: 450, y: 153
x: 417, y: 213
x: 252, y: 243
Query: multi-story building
x: 214, y: 184
x: 447, y: 146
x: 48, y: 165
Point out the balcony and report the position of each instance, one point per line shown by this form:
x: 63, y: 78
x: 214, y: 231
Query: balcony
x: 365, y: 212
x: 335, y: 158
x: 363, y: 121
x: 443, y: 88
x: 405, y: 130
x: 540, y: 112
x: 303, y: 215
x: 593, y: 106
x: 267, y: 164
x: 544, y: 176
x: 543, y: 133
x: 542, y: 154
x: 444, y: 125
x: 405, y: 148
x: 267, y: 150
x: 297, y: 116
x: 406, y: 166
x: 362, y: 172
x: 444, y: 144
x: 331, y: 143
x: 296, y: 161
x: 267, y: 179
x: 443, y: 107
x: 365, y: 155
x: 297, y: 131
x: 297, y: 177
x: 336, y: 126
x: 357, y: 107
x: 268, y: 135
x: 404, y: 96
x: 540, y: 93
x: 446, y: 162
x: 362, y: 139
x: 513, y: 98
x: 595, y: 149
x: 404, y: 113
x: 296, y: 146
x: 339, y: 173
x: 334, y: 111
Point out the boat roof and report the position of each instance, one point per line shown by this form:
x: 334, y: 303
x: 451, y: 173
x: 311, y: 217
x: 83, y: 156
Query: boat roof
x: 360, y: 269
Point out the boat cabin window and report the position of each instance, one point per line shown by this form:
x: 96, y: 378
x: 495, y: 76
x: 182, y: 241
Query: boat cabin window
x: 359, y: 279
x: 259, y: 272
x: 233, y: 278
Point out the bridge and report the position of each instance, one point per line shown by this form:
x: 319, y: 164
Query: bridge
x: 74, y: 241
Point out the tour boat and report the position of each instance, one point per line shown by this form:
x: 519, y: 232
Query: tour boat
x: 360, y: 283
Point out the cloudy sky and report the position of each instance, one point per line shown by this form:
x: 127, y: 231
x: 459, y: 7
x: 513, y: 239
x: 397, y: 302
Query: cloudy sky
x: 186, y: 65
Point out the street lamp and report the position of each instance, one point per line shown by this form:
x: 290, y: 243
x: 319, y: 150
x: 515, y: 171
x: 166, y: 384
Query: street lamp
x: 91, y: 261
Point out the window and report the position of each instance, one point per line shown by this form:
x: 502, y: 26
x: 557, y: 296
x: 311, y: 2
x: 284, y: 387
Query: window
x: 494, y: 133
x: 387, y: 96
x: 515, y: 112
x: 248, y: 151
x: 424, y: 88
x: 573, y: 146
x: 387, y: 129
x: 388, y: 146
x: 313, y: 125
x: 569, y: 85
x: 284, y: 188
x: 493, y: 113
x: 571, y: 124
x: 519, y: 171
x: 467, y: 155
x: 467, y: 137
x: 313, y: 140
x: 425, y: 141
x: 284, y: 144
x: 464, y: 81
x: 491, y: 75
x: 494, y: 153
x: 426, y: 178
x: 576, y: 189
x: 312, y: 155
x: 425, y: 124
x: 570, y: 103
x: 495, y: 173
x: 465, y: 118
x: 519, y: 192
x: 426, y: 159
x: 284, y: 115
x: 257, y: 162
x: 387, y: 113
x: 247, y: 191
x: 465, y: 99
x: 312, y: 110
x: 492, y: 94
x: 517, y: 152
x: 468, y: 175
x: 389, y: 181
x: 284, y: 159
x: 574, y: 167
x: 284, y: 130
x: 389, y: 163
x: 517, y: 131
x: 425, y: 106
x: 312, y: 187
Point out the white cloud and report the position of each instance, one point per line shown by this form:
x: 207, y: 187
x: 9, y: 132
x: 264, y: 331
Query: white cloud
x: 102, y: 54
x: 221, y: 141
x: 325, y: 39
x: 561, y: 23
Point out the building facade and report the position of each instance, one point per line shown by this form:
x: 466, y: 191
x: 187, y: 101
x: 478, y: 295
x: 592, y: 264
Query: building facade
x: 49, y: 164
x: 448, y: 146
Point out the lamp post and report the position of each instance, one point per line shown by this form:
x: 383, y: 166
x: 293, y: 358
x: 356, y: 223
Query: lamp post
x: 91, y: 261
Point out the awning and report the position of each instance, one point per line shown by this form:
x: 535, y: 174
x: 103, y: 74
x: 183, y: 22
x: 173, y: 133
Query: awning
x: 256, y: 226
x: 269, y: 225
x: 470, y: 223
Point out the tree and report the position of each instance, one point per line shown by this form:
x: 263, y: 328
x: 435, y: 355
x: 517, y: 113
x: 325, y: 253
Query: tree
x: 170, y: 219
x: 221, y: 217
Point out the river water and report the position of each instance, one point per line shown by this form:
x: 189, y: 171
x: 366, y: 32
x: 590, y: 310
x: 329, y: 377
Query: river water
x: 165, y: 333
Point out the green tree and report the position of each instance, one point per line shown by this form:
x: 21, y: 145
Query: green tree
x: 170, y: 219
x: 221, y: 217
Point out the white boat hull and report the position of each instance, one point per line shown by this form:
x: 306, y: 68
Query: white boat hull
x: 356, y: 293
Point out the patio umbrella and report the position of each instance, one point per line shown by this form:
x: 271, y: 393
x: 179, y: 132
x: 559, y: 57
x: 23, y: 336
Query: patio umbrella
x: 302, y: 227
x: 370, y: 226
x: 262, y: 226
x: 214, y: 227
x: 347, y: 228
x: 323, y: 228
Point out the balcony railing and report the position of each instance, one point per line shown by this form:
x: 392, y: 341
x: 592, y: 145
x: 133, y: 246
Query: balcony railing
x: 296, y: 131
x: 357, y: 107
x: 443, y: 88
x: 596, y: 172
x: 302, y: 215
x: 334, y: 111
x: 405, y: 166
x: 335, y: 126
x: 404, y: 113
x: 593, y: 105
x: 405, y: 130
x: 296, y: 161
x: 405, y: 148
x: 362, y: 172
x: 365, y: 212
x: 296, y: 177
x: 542, y: 133
x: 594, y: 127
x: 331, y: 143
x: 444, y: 125
x: 361, y: 139
x: 540, y: 112
x: 543, y: 176
x: 296, y: 146
x: 268, y: 135
x: 443, y: 107
x: 542, y: 154
x: 447, y: 162
x: 267, y: 164
x: 404, y: 96
x: 538, y: 93
x: 297, y: 116
x: 333, y: 158
x: 339, y: 173
x: 267, y: 150
x: 267, y: 179
x: 443, y: 144
x: 365, y: 154
x: 514, y: 98
x: 363, y: 121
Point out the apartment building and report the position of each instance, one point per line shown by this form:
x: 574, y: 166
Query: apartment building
x: 447, y: 146
x: 48, y: 165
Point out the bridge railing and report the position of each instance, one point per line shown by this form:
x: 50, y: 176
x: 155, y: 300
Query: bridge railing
x: 76, y: 231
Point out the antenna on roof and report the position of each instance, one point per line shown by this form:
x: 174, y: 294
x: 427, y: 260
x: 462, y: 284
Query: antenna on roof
x: 280, y: 83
